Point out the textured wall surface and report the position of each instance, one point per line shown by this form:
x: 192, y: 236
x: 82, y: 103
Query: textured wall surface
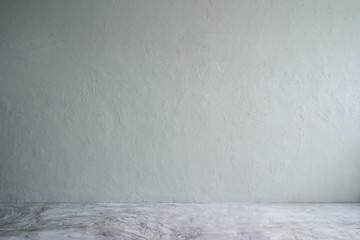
x: 189, y: 101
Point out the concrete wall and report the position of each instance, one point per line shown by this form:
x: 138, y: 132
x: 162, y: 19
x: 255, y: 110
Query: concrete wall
x: 189, y: 101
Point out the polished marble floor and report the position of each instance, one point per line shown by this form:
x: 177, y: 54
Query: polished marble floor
x: 247, y: 221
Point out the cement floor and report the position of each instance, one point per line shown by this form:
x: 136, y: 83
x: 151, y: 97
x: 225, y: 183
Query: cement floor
x: 246, y: 221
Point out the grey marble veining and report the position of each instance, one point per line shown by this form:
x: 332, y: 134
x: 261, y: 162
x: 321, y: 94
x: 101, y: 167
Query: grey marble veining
x: 180, y: 221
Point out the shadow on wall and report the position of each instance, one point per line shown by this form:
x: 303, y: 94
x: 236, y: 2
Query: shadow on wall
x: 9, y: 142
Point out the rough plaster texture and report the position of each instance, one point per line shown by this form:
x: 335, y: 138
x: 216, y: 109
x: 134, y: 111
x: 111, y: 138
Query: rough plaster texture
x: 189, y: 101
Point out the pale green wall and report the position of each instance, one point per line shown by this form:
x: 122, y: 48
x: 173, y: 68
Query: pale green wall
x: 179, y: 100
